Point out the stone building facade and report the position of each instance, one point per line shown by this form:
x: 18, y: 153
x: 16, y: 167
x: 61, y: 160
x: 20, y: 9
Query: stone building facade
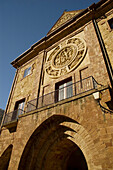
x: 59, y: 114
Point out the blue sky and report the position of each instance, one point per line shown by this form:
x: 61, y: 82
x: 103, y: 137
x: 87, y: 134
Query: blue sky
x: 23, y: 23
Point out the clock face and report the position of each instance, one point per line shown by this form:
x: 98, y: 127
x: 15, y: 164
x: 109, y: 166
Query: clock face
x: 64, y: 59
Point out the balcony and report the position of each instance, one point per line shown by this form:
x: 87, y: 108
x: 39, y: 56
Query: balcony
x: 73, y: 89
x: 56, y: 96
x: 12, y: 117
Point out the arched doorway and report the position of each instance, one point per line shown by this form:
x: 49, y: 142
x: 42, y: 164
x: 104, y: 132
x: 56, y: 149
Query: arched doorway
x: 50, y: 148
x: 63, y: 155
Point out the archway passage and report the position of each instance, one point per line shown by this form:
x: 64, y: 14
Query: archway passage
x: 5, y: 158
x: 64, y: 155
x: 50, y: 148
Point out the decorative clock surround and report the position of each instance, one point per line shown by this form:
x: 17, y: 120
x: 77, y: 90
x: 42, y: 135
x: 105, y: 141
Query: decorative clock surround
x: 65, y: 58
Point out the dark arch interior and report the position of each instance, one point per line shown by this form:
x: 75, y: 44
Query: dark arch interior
x: 63, y: 155
x: 50, y: 149
x: 5, y: 158
x: 76, y: 161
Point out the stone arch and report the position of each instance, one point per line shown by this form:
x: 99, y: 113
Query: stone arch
x: 83, y: 140
x: 53, y: 141
x: 5, y: 158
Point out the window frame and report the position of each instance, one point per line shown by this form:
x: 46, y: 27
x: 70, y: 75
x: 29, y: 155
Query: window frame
x: 20, y: 104
x: 62, y: 89
x: 27, y: 72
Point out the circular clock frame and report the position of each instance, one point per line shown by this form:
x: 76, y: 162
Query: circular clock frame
x: 65, y: 58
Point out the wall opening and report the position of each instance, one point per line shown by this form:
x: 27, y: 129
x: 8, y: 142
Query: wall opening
x: 49, y: 148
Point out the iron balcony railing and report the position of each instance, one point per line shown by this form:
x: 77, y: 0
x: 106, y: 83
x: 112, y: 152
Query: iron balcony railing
x: 74, y: 89
x: 60, y: 94
x: 12, y: 116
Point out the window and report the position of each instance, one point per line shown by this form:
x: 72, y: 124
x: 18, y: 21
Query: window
x: 27, y: 71
x: 64, y: 89
x: 110, y: 22
x: 18, y: 110
x: 19, y: 106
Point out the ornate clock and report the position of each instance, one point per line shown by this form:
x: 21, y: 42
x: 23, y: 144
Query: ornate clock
x: 65, y: 58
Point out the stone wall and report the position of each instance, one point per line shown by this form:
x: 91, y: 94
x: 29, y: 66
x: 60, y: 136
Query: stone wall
x: 86, y: 127
x: 27, y: 87
x: 107, y: 34
x: 91, y: 65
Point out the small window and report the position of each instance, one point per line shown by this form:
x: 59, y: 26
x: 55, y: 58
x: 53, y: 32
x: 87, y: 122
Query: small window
x: 64, y: 89
x: 27, y: 71
x: 19, y: 106
x: 111, y: 23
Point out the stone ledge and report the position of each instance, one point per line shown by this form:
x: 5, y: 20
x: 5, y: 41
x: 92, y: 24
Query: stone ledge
x: 10, y: 124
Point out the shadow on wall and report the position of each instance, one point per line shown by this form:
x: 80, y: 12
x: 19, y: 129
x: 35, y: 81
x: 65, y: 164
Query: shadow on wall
x: 5, y: 158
